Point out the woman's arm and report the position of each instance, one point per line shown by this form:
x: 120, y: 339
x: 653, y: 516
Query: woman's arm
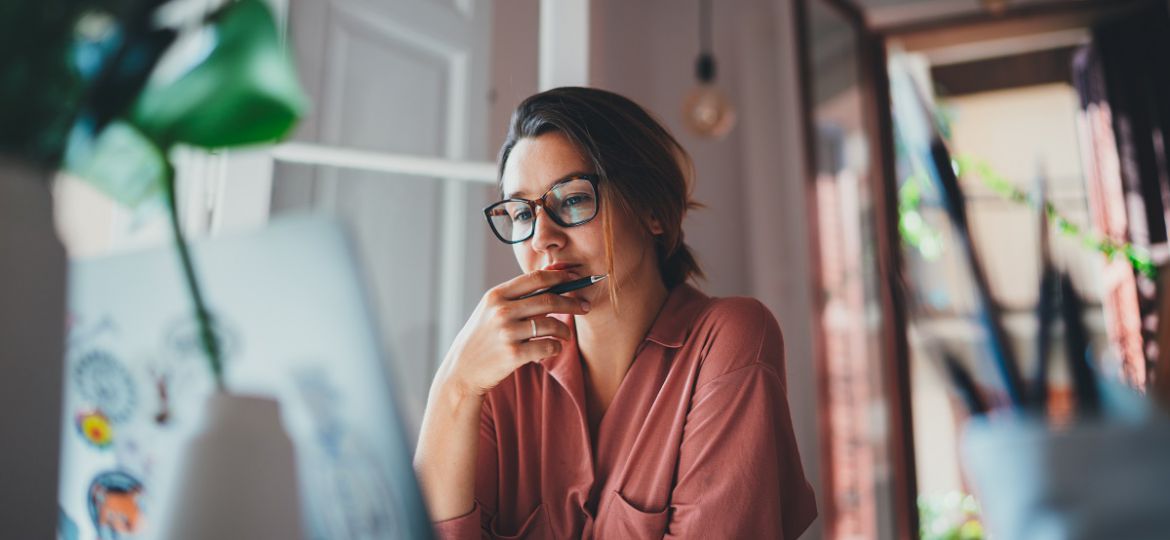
x: 502, y: 334
x: 739, y: 472
x: 447, y: 449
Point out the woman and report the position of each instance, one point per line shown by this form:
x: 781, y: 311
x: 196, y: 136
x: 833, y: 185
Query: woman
x: 634, y: 408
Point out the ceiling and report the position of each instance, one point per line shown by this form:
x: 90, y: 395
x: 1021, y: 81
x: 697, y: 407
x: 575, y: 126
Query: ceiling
x: 897, y: 13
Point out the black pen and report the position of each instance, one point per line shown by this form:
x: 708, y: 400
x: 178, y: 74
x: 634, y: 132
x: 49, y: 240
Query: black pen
x: 1078, y: 352
x: 562, y: 288
x: 989, y: 312
x: 1046, y: 305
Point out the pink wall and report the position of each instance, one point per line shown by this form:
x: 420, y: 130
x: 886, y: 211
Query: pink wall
x: 752, y: 237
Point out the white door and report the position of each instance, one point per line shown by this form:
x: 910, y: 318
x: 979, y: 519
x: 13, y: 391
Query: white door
x: 402, y: 77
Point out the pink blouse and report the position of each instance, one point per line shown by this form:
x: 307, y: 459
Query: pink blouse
x: 697, y: 442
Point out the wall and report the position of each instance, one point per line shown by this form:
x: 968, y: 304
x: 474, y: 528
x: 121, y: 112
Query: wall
x: 752, y: 238
x: 513, y: 77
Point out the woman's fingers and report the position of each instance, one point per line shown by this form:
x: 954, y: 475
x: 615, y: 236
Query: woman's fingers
x: 545, y: 327
x: 531, y: 282
x: 510, y: 308
x: 535, y: 350
x: 544, y: 304
x: 504, y: 333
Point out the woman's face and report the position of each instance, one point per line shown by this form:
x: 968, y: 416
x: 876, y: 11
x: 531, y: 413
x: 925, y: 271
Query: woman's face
x: 533, y: 166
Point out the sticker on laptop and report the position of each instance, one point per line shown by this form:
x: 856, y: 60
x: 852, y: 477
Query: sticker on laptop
x: 115, y: 505
x: 95, y: 428
x: 105, y: 384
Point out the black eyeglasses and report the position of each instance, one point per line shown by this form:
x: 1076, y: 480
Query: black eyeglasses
x: 569, y: 203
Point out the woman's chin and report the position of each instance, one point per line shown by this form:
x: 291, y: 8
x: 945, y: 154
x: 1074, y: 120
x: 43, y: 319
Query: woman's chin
x: 595, y: 294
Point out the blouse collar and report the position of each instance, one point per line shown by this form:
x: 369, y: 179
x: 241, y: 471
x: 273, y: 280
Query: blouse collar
x: 670, y: 329
x: 674, y: 321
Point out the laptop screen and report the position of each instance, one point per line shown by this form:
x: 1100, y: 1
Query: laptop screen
x: 291, y: 316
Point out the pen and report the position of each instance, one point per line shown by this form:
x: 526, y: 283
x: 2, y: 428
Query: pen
x: 964, y: 385
x: 989, y: 310
x: 567, y: 286
x: 1076, y: 340
x: 1046, y: 306
x: 1046, y: 310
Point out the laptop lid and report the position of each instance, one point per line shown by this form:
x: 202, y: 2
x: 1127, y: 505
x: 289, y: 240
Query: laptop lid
x: 293, y: 321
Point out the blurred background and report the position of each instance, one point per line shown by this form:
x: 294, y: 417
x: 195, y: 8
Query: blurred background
x: 813, y: 203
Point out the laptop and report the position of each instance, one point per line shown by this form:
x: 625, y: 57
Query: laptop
x: 291, y: 316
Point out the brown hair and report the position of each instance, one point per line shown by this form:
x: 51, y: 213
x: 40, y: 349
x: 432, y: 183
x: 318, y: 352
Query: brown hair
x: 640, y: 165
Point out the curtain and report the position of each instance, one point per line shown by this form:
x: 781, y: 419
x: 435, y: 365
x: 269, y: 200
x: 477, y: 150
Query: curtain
x: 1123, y: 78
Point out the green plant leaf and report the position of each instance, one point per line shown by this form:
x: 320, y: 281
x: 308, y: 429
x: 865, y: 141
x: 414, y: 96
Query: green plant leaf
x: 121, y: 162
x: 244, y: 92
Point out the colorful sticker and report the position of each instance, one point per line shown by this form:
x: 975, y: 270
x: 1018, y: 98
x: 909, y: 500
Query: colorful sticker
x: 115, y: 505
x: 66, y: 527
x: 106, y: 384
x: 95, y: 428
x: 161, y: 380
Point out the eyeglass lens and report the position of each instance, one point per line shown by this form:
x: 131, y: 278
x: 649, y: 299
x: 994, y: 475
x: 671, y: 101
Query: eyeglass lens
x: 568, y: 203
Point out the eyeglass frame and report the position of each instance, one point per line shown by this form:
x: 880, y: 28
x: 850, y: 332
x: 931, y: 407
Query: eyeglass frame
x: 593, y: 179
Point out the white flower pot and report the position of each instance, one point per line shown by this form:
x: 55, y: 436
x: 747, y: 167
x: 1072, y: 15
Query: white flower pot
x: 236, y: 477
x: 32, y: 337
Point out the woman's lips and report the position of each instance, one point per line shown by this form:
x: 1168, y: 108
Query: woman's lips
x: 565, y: 267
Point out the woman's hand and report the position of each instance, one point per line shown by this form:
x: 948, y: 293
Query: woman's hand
x: 497, y: 339
x: 500, y: 337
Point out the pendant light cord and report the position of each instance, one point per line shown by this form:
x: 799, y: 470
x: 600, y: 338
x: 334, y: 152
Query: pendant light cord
x: 705, y: 66
x: 705, y: 27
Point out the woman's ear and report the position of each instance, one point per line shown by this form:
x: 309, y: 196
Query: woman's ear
x: 654, y: 225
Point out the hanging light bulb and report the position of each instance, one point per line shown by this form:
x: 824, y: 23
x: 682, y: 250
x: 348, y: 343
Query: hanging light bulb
x: 995, y: 7
x: 706, y: 110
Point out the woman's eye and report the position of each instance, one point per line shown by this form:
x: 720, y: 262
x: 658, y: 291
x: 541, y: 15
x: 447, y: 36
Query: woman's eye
x: 574, y: 200
x: 523, y: 215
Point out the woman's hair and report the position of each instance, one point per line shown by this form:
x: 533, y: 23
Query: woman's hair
x: 640, y: 166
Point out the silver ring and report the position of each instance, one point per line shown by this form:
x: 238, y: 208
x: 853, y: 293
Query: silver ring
x: 533, y: 321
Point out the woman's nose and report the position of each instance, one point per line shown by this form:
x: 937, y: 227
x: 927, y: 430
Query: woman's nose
x: 547, y: 235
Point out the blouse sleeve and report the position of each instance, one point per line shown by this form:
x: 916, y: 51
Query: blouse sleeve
x: 474, y: 525
x: 739, y: 472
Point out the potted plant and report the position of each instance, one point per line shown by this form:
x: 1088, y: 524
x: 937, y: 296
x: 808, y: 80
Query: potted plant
x: 80, y: 89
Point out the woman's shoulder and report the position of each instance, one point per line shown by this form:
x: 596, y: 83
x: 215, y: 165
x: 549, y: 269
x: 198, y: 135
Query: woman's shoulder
x: 735, y: 317
x: 737, y: 309
x: 733, y: 333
